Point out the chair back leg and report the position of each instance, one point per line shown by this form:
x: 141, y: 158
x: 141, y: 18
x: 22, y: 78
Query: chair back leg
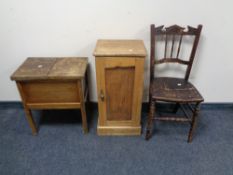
x: 194, y: 121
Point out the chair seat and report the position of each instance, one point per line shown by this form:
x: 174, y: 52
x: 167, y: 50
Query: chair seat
x: 174, y: 90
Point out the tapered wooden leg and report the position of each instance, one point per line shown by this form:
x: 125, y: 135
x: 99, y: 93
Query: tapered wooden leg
x: 82, y: 106
x: 30, y: 120
x: 84, y: 119
x: 26, y: 109
x: 86, y: 87
x: 150, y: 120
x: 193, y: 122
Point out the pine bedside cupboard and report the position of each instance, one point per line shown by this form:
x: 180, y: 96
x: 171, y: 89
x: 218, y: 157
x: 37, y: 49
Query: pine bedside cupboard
x: 119, y: 76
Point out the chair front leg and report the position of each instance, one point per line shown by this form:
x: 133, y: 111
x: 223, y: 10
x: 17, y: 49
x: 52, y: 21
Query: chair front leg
x: 177, y: 105
x: 150, y: 120
x: 194, y: 121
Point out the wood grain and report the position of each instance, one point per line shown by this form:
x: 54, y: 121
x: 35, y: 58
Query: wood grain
x: 68, y: 68
x: 119, y: 75
x: 50, y: 91
x: 119, y: 130
x: 119, y: 93
x: 68, y: 105
x: 45, y: 68
x: 52, y: 83
x: 34, y: 68
x: 120, y: 48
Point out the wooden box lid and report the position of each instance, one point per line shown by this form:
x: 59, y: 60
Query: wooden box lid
x: 120, y: 48
x: 51, y: 68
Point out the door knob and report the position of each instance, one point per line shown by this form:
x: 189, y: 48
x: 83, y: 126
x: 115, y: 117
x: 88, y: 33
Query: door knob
x: 101, y: 95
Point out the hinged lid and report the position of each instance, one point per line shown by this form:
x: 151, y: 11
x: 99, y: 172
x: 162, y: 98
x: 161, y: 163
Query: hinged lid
x: 120, y: 48
x: 51, y: 68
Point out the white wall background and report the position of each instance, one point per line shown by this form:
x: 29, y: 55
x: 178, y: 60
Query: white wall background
x: 71, y: 28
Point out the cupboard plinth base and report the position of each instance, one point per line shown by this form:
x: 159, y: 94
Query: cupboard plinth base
x: 118, y: 130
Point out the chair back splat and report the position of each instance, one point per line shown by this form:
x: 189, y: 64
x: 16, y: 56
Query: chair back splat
x: 175, y: 36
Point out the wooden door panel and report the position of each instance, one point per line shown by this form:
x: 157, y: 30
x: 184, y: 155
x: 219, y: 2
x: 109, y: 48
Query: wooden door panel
x: 119, y: 84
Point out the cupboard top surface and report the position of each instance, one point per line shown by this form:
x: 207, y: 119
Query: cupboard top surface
x: 51, y: 68
x: 120, y: 48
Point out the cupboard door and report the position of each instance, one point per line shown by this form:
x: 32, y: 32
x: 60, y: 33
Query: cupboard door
x: 119, y: 83
x: 119, y: 87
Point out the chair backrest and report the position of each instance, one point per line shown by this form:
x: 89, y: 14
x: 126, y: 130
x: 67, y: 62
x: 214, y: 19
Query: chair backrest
x: 173, y: 34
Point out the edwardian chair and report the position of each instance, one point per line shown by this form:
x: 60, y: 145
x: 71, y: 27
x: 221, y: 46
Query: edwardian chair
x: 171, y: 41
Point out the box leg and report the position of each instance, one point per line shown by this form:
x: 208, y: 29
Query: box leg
x: 82, y: 106
x: 84, y: 118
x: 30, y: 121
x: 26, y: 109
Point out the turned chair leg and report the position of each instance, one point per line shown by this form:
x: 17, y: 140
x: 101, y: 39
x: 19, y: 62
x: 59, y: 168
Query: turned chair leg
x: 176, y: 107
x: 150, y: 120
x: 193, y: 122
